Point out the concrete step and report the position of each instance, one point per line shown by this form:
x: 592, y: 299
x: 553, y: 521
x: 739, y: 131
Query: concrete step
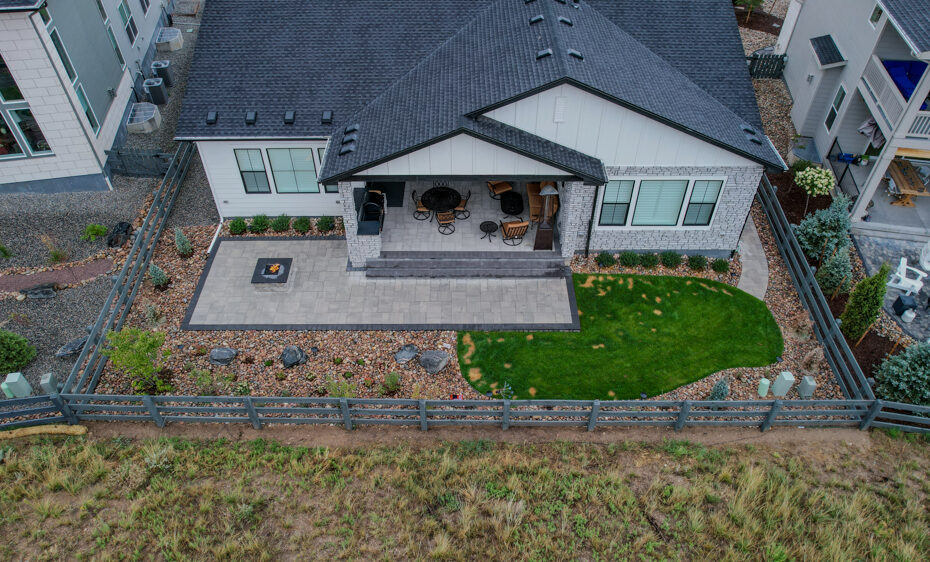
x: 462, y: 273
x: 462, y: 263
x: 880, y: 230
x: 524, y: 255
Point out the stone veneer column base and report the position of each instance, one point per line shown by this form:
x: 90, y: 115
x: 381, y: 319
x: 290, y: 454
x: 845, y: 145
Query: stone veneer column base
x: 361, y: 248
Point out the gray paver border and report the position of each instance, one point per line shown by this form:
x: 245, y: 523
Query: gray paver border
x: 573, y: 326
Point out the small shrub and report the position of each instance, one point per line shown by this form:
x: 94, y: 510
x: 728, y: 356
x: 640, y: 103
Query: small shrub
x: 697, y: 262
x: 200, y: 351
x: 237, y: 226
x: 280, y: 376
x: 649, y: 261
x: 605, y: 259
x: 93, y: 231
x: 281, y: 223
x: 864, y: 305
x: 341, y: 388
x: 203, y: 379
x: 825, y: 230
x: 56, y: 254
x: 182, y: 244
x: 799, y: 166
x: 720, y: 391
x: 15, y: 352
x: 157, y: 275
x: 720, y: 265
x: 242, y: 389
x: 260, y: 223
x: 302, y: 225
x: 905, y: 377
x: 670, y: 259
x: 325, y: 224
x: 5, y: 252
x: 348, y: 374
x: 136, y: 353
x: 152, y: 315
x: 337, y: 360
x: 836, y: 272
x: 391, y: 383
x: 269, y: 362
x: 629, y: 259
x: 360, y: 362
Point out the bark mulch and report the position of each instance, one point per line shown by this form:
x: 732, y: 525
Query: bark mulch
x: 793, y: 199
x: 758, y: 20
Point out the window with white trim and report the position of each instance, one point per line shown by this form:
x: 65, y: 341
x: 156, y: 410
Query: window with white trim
x: 20, y: 135
x: 615, y: 206
x: 65, y: 60
x: 835, y: 107
x: 103, y: 12
x: 29, y: 131
x: 145, y: 6
x: 876, y: 15
x: 119, y: 55
x: 659, y: 202
x: 9, y: 146
x: 252, y: 170
x: 704, y: 196
x: 9, y: 91
x: 129, y: 24
x: 88, y: 110
x: 294, y: 170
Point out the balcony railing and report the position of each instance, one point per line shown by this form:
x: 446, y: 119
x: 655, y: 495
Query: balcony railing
x: 885, y: 94
x: 921, y: 126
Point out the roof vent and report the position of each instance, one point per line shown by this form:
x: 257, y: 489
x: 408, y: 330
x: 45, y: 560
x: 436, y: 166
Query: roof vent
x: 351, y: 128
x: 537, y: 19
x: 561, y: 1
x: 543, y: 54
x: 289, y: 117
x: 350, y: 138
x: 749, y: 130
x: 212, y: 116
x: 576, y: 54
x: 347, y: 148
x: 327, y: 117
x: 251, y: 117
x: 528, y: 1
x: 565, y: 20
x: 754, y: 139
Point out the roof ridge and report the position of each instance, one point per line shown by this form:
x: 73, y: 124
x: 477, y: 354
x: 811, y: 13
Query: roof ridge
x: 552, y: 23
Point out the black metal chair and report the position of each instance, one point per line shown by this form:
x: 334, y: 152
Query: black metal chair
x: 420, y: 212
x: 460, y: 211
x: 446, y: 222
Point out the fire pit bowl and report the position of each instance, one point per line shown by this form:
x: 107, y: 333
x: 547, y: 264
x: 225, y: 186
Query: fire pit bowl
x: 272, y: 270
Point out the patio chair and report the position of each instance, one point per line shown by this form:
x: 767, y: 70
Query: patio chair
x: 925, y: 256
x: 498, y: 187
x: 460, y: 211
x: 420, y: 212
x: 900, y: 279
x: 513, y: 232
x: 536, y: 201
x: 446, y: 222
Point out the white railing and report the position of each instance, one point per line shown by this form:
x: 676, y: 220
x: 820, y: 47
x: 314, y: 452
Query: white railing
x: 884, y: 93
x: 921, y: 125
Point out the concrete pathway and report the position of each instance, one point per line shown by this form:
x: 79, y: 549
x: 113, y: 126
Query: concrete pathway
x: 66, y: 276
x: 321, y: 295
x: 755, y: 277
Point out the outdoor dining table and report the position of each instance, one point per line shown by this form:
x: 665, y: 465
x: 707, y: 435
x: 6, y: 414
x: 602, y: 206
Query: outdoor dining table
x: 908, y: 182
x: 441, y: 199
x: 512, y: 204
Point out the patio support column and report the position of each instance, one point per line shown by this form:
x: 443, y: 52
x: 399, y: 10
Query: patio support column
x: 871, y: 186
x: 576, y: 201
x: 361, y: 248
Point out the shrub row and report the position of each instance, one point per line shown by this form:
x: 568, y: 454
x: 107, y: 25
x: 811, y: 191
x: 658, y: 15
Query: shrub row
x: 669, y: 259
x: 282, y: 223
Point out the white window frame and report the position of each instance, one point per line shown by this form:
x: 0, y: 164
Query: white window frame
x: 145, y: 6
x: 80, y: 92
x: 681, y: 213
x: 23, y: 142
x: 129, y: 20
x: 119, y: 54
x: 316, y: 170
x: 269, y: 178
x: 64, y: 63
x: 874, y: 20
x: 834, y: 108
x: 314, y: 146
x: 7, y: 121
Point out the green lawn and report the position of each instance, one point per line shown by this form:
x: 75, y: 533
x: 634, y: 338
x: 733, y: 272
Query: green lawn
x: 638, y: 334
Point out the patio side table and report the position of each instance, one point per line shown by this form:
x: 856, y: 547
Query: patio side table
x: 488, y: 228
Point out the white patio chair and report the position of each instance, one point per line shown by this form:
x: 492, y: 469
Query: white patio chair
x: 925, y: 256
x: 900, y: 280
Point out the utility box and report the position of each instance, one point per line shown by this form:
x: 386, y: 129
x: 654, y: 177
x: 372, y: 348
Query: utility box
x: 764, y: 387
x: 807, y: 387
x: 16, y: 386
x: 783, y: 383
x: 157, y: 90
x: 49, y: 383
x: 162, y: 69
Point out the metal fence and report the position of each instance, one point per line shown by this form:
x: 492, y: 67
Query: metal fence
x: 138, y: 162
x: 766, y: 65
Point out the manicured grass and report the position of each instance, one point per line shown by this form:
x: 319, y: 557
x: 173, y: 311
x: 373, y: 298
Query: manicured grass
x: 639, y: 334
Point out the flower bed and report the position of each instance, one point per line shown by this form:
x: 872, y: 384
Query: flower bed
x: 314, y: 230
x: 581, y: 264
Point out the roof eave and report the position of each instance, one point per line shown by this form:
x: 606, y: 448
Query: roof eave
x: 35, y: 6
x: 907, y: 38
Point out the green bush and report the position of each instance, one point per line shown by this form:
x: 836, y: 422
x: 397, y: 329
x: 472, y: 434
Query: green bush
x: 605, y: 259
x: 5, y: 252
x: 136, y: 353
x: 697, y: 262
x: 242, y: 389
x: 649, y: 261
x: 670, y: 259
x: 341, y: 388
x: 182, y: 244
x: 57, y: 255
x: 835, y: 272
x: 629, y: 259
x: 720, y: 265
x: 720, y: 391
x: 799, y: 166
x: 93, y: 231
x: 302, y: 225
x: 325, y: 224
x: 157, y: 275
x: 260, y: 223
x: 825, y: 230
x: 15, y: 352
x: 864, y: 305
x: 281, y: 223
x: 237, y: 226
x: 391, y: 383
x: 905, y: 377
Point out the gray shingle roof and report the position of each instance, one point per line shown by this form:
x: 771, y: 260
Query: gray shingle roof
x: 826, y: 50
x: 913, y: 16
x: 19, y: 4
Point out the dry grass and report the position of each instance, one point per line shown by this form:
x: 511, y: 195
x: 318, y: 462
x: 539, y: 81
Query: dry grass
x: 179, y: 500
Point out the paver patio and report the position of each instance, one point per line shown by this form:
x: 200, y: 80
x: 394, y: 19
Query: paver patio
x: 321, y: 295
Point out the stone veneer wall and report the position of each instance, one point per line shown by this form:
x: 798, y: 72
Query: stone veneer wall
x: 361, y: 248
x: 718, y: 240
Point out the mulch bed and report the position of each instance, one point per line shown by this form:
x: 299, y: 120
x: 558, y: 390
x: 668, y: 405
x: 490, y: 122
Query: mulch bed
x: 872, y: 349
x: 338, y: 230
x: 759, y: 20
x: 793, y: 199
x: 581, y: 264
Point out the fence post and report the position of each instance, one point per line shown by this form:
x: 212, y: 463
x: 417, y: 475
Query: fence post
x: 63, y: 407
x: 346, y: 417
x: 592, y: 418
x: 683, y: 415
x: 770, y: 418
x: 505, y: 417
x: 873, y: 412
x: 253, y: 415
x: 423, y: 423
x: 153, y: 411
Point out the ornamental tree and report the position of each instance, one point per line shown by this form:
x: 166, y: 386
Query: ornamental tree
x: 815, y: 181
x: 864, y: 305
x: 825, y: 231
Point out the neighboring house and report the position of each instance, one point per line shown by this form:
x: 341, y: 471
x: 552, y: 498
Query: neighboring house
x: 852, y: 63
x: 67, y: 69
x: 643, y: 113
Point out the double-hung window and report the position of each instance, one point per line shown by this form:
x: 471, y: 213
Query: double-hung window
x: 704, y: 195
x: 659, y: 202
x: 616, y: 204
x: 835, y: 107
x: 252, y: 170
x: 129, y: 24
x: 20, y: 135
x: 294, y: 170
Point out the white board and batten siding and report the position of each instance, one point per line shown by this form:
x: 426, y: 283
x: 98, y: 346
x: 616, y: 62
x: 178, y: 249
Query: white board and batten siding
x: 222, y: 170
x: 462, y: 155
x: 618, y: 136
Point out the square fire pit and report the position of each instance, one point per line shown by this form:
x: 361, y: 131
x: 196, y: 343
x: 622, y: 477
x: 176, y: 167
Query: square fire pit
x: 272, y: 270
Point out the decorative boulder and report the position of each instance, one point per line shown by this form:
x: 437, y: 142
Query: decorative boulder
x: 406, y: 353
x: 119, y: 234
x: 43, y: 291
x: 293, y: 355
x: 434, y: 361
x: 222, y: 355
x: 73, y: 347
